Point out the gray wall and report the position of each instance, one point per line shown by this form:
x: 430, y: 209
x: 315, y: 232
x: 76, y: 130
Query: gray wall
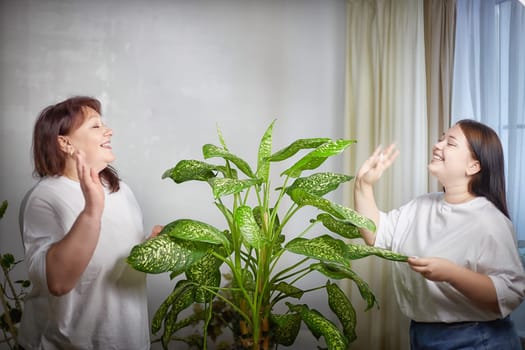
x: 169, y: 72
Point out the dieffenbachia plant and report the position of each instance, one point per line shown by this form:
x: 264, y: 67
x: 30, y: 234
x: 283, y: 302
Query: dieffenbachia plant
x: 251, y: 245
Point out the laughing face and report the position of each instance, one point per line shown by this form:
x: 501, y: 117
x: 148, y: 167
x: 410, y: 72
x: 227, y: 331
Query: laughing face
x: 452, y: 162
x: 93, y: 138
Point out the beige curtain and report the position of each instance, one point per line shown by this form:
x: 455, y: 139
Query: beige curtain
x: 385, y: 103
x: 440, y: 27
x: 398, y: 88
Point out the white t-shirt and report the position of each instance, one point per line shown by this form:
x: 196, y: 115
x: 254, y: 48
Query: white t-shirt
x: 107, y: 309
x: 475, y: 235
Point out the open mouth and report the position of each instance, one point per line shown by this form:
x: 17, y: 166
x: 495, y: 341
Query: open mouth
x: 437, y: 158
x: 106, y: 145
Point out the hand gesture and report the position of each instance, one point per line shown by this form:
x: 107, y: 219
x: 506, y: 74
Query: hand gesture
x: 379, y: 161
x: 433, y: 269
x: 91, y: 186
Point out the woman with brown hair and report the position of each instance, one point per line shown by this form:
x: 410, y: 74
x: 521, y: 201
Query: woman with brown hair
x: 465, y: 275
x: 78, y: 224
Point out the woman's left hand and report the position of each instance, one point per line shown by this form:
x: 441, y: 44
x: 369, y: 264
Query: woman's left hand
x: 155, y: 231
x: 434, y: 269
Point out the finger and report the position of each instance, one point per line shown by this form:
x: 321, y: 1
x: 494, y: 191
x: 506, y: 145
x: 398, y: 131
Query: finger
x: 94, y: 176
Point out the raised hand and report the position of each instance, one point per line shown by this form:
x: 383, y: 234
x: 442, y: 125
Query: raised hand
x: 91, y: 186
x: 376, y: 164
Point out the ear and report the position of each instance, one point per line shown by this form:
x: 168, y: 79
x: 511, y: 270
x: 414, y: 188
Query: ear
x: 64, y: 144
x: 473, y: 168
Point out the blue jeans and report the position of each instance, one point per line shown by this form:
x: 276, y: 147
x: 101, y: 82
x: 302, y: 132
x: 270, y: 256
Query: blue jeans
x: 491, y: 335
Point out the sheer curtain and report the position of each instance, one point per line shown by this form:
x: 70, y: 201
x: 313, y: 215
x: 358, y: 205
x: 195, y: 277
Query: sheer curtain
x: 489, y: 86
x: 386, y: 102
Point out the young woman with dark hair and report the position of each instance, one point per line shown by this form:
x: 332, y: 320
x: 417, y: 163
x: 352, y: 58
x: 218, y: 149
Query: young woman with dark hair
x: 78, y: 224
x: 465, y: 275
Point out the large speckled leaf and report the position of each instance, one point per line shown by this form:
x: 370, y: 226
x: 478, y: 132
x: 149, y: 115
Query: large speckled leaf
x: 302, y: 198
x: 285, y: 328
x: 160, y: 314
x: 339, y: 272
x: 265, y: 150
x: 317, y: 157
x: 183, y: 299
x: 342, y: 227
x: 357, y: 251
x: 193, y: 230
x: 319, y: 184
x: 164, y: 253
x: 343, y: 308
x: 3, y: 208
x: 250, y: 231
x: 212, y: 151
x: 187, y: 170
x: 323, y: 248
x: 289, y: 290
x: 321, y: 326
x: 205, y: 273
x: 296, y: 146
x: 222, y: 186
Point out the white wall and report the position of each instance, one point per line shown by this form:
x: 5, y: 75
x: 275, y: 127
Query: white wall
x: 168, y: 72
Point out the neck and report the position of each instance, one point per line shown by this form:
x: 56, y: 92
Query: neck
x: 70, y: 171
x: 457, y: 195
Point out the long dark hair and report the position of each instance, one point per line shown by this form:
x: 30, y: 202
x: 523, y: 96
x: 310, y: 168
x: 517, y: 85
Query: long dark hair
x: 61, y: 119
x: 485, y: 147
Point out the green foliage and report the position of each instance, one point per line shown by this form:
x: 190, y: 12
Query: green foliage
x: 11, y: 295
x: 252, y: 243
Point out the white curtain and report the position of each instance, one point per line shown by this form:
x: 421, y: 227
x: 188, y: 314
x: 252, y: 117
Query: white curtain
x: 489, y: 86
x: 386, y: 102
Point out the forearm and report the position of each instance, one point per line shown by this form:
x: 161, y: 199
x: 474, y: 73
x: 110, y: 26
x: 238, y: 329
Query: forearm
x: 365, y: 204
x: 477, y: 287
x: 67, y: 259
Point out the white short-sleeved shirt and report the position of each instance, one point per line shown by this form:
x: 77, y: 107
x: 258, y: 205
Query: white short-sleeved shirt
x: 107, y: 309
x: 475, y: 235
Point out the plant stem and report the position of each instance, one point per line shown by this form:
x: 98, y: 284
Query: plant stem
x: 7, y: 313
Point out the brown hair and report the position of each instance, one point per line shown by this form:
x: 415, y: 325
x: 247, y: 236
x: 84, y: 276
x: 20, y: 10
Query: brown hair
x: 485, y: 147
x: 61, y: 119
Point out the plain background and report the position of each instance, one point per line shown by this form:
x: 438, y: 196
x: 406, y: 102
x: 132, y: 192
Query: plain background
x: 168, y: 73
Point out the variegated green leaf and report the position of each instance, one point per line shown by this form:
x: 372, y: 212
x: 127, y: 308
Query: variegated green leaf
x: 205, y: 273
x: 3, y: 208
x: 289, y: 290
x: 164, y: 253
x: 221, y: 138
x: 342, y: 227
x: 161, y: 312
x: 222, y: 187
x: 339, y: 272
x: 265, y: 150
x: 250, y: 231
x: 183, y: 299
x: 323, y: 248
x: 357, y: 251
x: 285, y: 328
x: 296, y: 146
x: 212, y: 151
x: 193, y: 230
x: 302, y: 198
x: 319, y: 184
x: 321, y: 326
x: 187, y: 170
x: 343, y: 308
x: 317, y: 157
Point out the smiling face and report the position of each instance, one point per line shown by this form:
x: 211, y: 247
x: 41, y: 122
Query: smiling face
x: 452, y: 162
x: 93, y: 138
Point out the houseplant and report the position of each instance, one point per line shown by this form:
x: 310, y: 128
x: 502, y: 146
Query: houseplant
x: 11, y: 295
x: 251, y: 245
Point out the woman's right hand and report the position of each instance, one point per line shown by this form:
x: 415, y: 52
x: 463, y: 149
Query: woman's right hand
x: 372, y: 169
